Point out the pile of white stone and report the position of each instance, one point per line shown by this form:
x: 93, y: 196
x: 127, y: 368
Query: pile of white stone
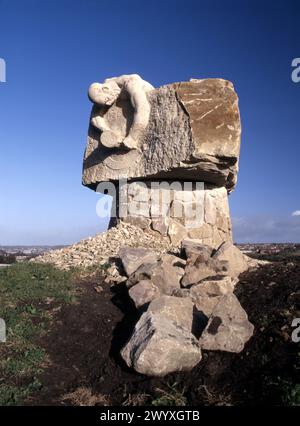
x: 100, y: 248
x: 187, y: 306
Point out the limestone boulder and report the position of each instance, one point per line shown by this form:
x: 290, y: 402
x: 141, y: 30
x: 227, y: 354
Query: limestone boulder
x: 143, y: 292
x: 179, y: 310
x: 164, y: 274
x: 208, y: 293
x: 235, y: 259
x: 176, y: 263
x: 159, y: 346
x: 199, y: 268
x: 228, y: 328
x: 216, y: 287
x: 205, y: 304
x: 132, y: 258
x: 196, y: 247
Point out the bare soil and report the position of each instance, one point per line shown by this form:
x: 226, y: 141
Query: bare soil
x: 84, y: 366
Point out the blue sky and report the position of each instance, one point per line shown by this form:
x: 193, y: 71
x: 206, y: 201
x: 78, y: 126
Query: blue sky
x: 55, y: 49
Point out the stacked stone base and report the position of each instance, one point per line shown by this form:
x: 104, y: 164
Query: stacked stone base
x: 176, y: 210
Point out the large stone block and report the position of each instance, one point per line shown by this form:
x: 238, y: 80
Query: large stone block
x: 179, y: 310
x: 228, y: 328
x: 236, y: 260
x: 133, y: 257
x: 159, y: 346
x: 178, y: 210
x: 188, y: 131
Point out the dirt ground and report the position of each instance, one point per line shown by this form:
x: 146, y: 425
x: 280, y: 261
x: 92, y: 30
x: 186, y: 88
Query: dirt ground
x: 84, y: 367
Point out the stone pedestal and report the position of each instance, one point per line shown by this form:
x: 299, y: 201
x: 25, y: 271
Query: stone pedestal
x: 177, y: 210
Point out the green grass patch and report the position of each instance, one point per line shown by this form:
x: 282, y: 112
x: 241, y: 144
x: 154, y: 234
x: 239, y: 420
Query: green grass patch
x: 171, y: 396
x: 290, y: 394
x: 25, y: 290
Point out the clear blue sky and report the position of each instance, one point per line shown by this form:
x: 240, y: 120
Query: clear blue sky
x: 55, y: 49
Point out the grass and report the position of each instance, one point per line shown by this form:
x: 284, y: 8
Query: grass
x: 26, y: 292
x: 170, y: 397
x: 291, y: 395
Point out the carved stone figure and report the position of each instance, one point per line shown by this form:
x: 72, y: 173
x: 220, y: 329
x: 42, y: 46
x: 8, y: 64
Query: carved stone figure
x: 106, y: 94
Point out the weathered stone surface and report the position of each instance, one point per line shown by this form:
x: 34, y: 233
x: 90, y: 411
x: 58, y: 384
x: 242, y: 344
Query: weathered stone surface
x: 217, y: 287
x: 179, y: 310
x: 144, y: 272
x: 236, y: 260
x: 132, y: 258
x: 228, y: 328
x: 176, y: 210
x: 164, y: 274
x: 193, y: 132
x: 205, y: 232
x: 216, y: 205
x: 205, y: 304
x: 177, y: 232
x: 199, y: 268
x: 143, y: 292
x: 196, y: 247
x: 176, y: 262
x: 181, y: 292
x: 140, y: 221
x: 158, y: 346
x: 208, y: 293
x: 161, y: 225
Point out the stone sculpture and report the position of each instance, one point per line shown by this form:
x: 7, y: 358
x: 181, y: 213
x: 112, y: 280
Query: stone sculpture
x: 130, y: 88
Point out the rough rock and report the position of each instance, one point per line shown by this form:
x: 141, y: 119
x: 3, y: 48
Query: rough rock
x: 193, y: 132
x: 181, y: 292
x: 176, y: 232
x: 236, y: 260
x: 228, y: 328
x: 208, y: 293
x: 199, y: 268
x: 132, y: 258
x: 218, y: 287
x: 164, y: 274
x: 196, y: 247
x: 143, y: 292
x: 205, y: 303
x: 179, y: 310
x: 173, y: 260
x: 177, y: 263
x: 158, y: 346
